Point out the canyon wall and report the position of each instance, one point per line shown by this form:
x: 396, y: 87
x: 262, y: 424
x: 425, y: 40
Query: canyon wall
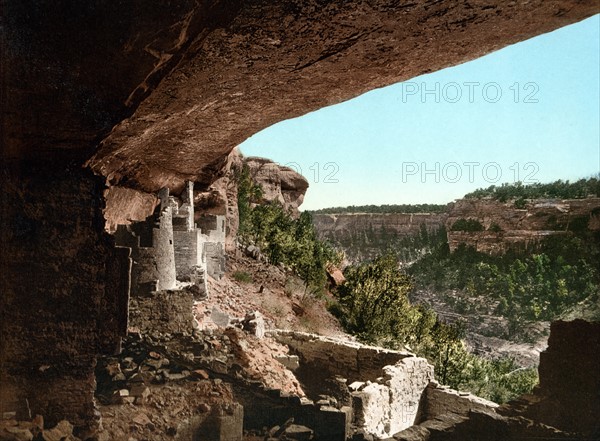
x: 502, y: 225
x: 364, y: 236
x: 505, y: 226
x: 341, y: 227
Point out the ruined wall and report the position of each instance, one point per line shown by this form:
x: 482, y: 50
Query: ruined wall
x: 568, y: 396
x: 188, y: 249
x: 214, y: 227
x: 152, y: 251
x: 353, y: 361
x: 386, y: 386
x: 164, y: 312
x: 439, y: 400
x: 391, y: 403
x: 64, y: 291
x: 188, y: 242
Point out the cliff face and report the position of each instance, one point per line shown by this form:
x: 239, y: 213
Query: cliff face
x: 342, y: 226
x: 279, y: 184
x: 505, y: 226
x: 568, y: 396
x: 366, y: 235
x: 170, y: 89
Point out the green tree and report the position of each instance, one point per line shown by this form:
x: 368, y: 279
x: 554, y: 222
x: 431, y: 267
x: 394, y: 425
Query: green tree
x: 374, y: 299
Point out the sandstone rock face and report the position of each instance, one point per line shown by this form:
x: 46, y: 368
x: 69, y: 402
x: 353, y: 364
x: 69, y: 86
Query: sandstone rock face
x: 64, y: 292
x: 249, y: 65
x: 186, y: 82
x: 279, y: 184
x: 506, y: 226
x: 568, y: 396
x: 364, y: 236
x: 340, y: 227
x: 125, y: 205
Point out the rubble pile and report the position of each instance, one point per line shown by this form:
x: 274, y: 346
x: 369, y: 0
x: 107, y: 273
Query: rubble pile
x: 226, y: 354
x: 274, y: 292
x: 13, y: 430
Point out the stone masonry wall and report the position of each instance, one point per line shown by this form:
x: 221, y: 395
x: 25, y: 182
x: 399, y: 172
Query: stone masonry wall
x: 187, y: 252
x: 387, y: 386
x: 165, y: 312
x: 152, y: 251
x: 353, y: 361
x: 63, y: 294
x: 391, y: 404
x: 439, y: 400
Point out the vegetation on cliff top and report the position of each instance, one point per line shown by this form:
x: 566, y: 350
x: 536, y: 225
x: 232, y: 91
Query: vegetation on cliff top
x: 384, y: 209
x: 560, y: 189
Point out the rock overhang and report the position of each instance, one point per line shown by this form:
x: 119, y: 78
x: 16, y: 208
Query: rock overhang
x: 155, y: 94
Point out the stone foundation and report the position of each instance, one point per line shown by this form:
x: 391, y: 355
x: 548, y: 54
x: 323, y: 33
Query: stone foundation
x: 385, y: 386
x: 439, y: 400
x: 165, y: 312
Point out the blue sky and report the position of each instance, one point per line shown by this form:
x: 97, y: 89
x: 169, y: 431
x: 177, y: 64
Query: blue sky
x: 528, y: 112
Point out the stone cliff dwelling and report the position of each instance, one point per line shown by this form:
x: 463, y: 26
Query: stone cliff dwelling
x: 116, y: 213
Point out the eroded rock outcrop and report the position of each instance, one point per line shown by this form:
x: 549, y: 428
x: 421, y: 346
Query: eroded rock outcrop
x: 568, y: 396
x: 185, y: 83
x: 505, y: 226
x: 278, y: 183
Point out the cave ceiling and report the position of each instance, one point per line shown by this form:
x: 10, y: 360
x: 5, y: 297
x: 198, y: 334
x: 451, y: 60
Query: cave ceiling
x: 152, y: 93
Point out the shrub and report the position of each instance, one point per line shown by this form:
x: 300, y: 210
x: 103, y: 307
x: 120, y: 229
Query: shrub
x: 373, y: 305
x: 520, y: 203
x: 243, y: 277
x: 467, y: 225
x: 283, y: 239
x: 495, y: 228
